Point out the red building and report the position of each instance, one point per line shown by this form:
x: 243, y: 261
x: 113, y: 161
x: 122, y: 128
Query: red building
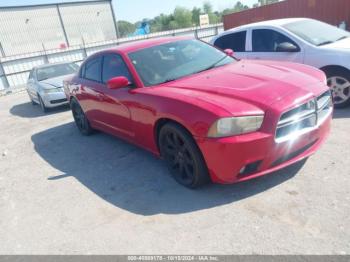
x: 330, y: 11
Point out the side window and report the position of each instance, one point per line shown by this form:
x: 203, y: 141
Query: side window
x: 235, y: 41
x: 266, y: 40
x: 93, y: 69
x: 113, y: 66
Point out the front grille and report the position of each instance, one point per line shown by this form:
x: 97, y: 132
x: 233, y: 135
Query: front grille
x: 58, y: 101
x: 304, y: 118
x: 292, y: 155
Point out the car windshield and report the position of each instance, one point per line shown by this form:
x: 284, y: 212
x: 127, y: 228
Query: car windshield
x: 171, y: 61
x: 316, y: 32
x: 56, y: 71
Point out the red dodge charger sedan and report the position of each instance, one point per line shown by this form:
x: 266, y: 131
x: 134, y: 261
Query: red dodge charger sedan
x: 207, y: 114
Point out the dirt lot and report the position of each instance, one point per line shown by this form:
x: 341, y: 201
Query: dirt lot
x: 62, y: 193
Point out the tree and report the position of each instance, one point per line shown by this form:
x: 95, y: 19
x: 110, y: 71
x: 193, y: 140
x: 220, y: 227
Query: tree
x: 125, y: 28
x: 267, y: 2
x: 182, y: 17
x: 207, y: 8
x: 238, y: 7
x: 214, y: 17
x: 196, y: 12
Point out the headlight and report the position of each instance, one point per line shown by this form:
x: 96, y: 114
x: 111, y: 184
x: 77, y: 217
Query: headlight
x: 232, y: 126
x: 325, y: 81
x: 53, y: 90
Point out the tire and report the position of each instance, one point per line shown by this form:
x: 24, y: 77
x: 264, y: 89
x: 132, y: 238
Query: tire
x: 338, y: 80
x: 182, y: 155
x: 42, y: 105
x: 31, y: 100
x: 80, y: 119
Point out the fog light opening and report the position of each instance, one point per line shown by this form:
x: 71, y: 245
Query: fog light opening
x: 242, y: 170
x: 250, y: 168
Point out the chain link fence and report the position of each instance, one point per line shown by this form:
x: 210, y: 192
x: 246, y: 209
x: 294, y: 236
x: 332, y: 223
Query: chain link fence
x: 14, y: 70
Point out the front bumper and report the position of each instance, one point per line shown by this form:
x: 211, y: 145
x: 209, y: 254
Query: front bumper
x: 258, y: 152
x: 54, y: 99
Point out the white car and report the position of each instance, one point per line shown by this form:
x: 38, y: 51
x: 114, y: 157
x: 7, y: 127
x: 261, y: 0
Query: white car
x: 45, y: 84
x: 299, y: 40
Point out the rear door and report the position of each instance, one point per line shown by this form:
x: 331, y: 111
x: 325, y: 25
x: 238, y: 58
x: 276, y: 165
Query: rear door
x: 235, y: 41
x: 90, y: 94
x: 264, y: 43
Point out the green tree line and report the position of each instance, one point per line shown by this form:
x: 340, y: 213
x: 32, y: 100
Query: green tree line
x: 182, y: 17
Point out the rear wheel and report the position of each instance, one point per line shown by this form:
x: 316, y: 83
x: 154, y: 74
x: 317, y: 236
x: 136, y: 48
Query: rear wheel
x: 183, y: 157
x: 80, y: 119
x: 339, y: 81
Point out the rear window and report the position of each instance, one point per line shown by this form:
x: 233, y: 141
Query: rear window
x: 234, y: 41
x: 56, y: 71
x: 92, y: 69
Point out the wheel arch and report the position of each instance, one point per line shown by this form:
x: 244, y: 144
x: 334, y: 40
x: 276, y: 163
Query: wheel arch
x: 163, y: 121
x: 333, y: 68
x: 71, y: 98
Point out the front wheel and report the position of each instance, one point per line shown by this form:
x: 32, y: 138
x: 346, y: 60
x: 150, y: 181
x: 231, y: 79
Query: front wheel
x: 184, y: 159
x: 42, y: 105
x: 31, y: 99
x: 339, y: 82
x: 80, y: 119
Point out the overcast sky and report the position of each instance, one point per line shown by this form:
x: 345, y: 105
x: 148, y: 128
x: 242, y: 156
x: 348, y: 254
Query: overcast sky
x: 134, y: 10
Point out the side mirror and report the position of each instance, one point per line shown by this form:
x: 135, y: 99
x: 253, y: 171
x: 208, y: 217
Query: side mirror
x: 117, y: 82
x: 287, y: 47
x: 229, y: 52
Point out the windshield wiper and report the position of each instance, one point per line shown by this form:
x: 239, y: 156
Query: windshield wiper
x: 168, y: 80
x: 212, y: 66
x: 331, y: 42
x: 325, y: 43
x: 205, y: 69
x: 343, y: 37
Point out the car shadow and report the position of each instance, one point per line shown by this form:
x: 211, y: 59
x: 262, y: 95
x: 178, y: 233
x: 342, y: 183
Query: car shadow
x: 341, y: 113
x: 133, y: 179
x: 28, y: 110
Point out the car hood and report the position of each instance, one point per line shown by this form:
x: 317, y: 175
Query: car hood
x: 257, y: 82
x: 55, y: 82
x: 342, y: 44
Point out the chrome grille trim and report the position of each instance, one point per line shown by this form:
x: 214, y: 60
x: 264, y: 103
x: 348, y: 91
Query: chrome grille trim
x: 304, y: 118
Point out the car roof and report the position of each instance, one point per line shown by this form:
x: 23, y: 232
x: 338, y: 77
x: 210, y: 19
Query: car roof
x: 275, y: 22
x: 137, y: 45
x: 51, y: 64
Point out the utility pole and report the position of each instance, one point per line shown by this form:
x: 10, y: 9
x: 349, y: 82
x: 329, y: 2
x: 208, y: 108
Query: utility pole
x: 115, y: 20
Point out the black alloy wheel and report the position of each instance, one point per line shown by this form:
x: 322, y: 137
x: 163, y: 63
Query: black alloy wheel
x: 80, y: 119
x: 183, y: 157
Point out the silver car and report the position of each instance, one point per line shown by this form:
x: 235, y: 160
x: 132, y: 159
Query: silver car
x: 45, y: 84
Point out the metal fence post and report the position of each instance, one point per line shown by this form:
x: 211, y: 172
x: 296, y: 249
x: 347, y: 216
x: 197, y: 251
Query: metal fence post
x: 196, y: 33
x: 46, y: 58
x: 84, y: 48
x: 3, y: 76
x: 62, y: 25
x: 115, y: 21
x: 2, y: 50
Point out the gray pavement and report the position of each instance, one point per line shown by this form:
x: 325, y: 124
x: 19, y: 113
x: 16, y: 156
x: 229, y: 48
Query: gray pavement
x: 62, y: 193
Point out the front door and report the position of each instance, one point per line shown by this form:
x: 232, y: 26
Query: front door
x: 265, y: 43
x: 112, y: 103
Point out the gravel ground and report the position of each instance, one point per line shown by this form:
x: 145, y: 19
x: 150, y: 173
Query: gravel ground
x: 62, y: 193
